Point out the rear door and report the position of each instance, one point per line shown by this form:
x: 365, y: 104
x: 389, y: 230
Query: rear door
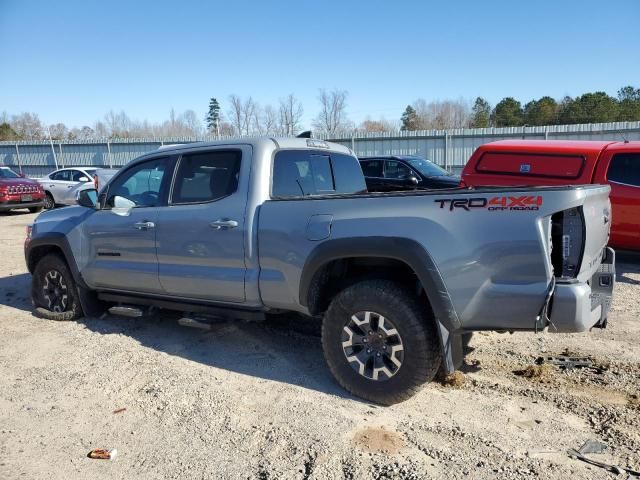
x: 121, y: 237
x: 398, y: 176
x: 57, y: 184
x: 201, y: 233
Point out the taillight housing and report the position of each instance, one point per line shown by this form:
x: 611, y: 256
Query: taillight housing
x: 567, y: 242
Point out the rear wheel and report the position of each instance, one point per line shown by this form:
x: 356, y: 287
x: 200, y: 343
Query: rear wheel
x: 54, y: 291
x: 380, y: 343
x: 48, y: 201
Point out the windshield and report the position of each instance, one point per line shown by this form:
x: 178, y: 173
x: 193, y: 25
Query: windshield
x: 427, y: 168
x: 8, y: 173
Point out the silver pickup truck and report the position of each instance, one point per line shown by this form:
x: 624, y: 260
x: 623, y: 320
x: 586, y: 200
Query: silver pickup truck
x: 399, y: 280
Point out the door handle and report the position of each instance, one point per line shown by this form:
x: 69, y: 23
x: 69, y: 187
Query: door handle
x: 223, y: 223
x: 144, y: 225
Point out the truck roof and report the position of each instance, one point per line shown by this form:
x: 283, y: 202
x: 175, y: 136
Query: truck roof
x: 551, y: 146
x: 258, y: 142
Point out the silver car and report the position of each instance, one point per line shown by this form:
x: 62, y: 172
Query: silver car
x: 62, y: 185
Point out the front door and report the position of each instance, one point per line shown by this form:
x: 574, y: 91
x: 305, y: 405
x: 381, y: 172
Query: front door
x: 623, y: 175
x: 121, y: 237
x: 200, y: 234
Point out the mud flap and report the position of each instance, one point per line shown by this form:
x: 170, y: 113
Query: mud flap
x: 602, y: 284
x: 452, y: 349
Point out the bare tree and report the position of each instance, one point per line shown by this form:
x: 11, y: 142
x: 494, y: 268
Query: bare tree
x: 332, y: 118
x: 442, y: 114
x: 270, y: 121
x: 192, y: 123
x: 381, y: 125
x: 58, y: 131
x: 27, y: 125
x: 236, y: 113
x: 291, y: 112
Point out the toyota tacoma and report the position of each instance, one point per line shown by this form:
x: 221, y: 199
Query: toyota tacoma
x: 246, y: 228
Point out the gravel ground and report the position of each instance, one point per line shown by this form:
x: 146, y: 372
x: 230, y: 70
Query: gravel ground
x: 257, y: 401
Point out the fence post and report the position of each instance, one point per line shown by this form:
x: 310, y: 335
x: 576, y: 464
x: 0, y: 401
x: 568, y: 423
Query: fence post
x: 446, y: 149
x: 353, y: 144
x: 109, y: 150
x: 18, y: 158
x: 61, y: 155
x: 53, y: 150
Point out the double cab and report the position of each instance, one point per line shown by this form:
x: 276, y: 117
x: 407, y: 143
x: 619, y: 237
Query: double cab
x: 254, y: 227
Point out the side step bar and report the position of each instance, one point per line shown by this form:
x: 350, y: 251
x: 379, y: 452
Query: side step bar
x: 125, y: 311
x: 229, y: 313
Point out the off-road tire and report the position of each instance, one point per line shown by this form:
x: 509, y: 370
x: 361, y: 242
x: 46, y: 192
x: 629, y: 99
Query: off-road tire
x: 49, y: 203
x: 414, y: 323
x: 69, y: 309
x: 35, y: 209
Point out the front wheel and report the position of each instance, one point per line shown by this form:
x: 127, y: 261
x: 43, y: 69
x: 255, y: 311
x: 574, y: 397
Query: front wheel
x: 54, y: 291
x: 380, y: 342
x: 48, y: 201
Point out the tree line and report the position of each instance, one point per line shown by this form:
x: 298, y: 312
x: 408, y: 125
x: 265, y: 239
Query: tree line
x: 246, y: 116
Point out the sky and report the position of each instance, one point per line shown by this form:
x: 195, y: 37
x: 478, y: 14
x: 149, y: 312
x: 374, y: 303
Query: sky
x: 72, y: 61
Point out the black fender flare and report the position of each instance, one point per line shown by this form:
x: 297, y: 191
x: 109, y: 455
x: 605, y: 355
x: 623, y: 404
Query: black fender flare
x: 59, y: 241
x: 413, y: 255
x: 405, y: 250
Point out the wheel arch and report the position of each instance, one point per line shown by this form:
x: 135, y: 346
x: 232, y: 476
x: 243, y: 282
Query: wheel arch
x: 397, y: 251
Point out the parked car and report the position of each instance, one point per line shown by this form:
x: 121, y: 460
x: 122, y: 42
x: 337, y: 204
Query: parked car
x: 540, y: 162
x: 61, y: 186
x: 16, y: 192
x: 249, y: 227
x: 404, y: 172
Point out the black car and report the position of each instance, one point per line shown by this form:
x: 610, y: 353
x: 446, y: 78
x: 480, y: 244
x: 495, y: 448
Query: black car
x: 405, y: 172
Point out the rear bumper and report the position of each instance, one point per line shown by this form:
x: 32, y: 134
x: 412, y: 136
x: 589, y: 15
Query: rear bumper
x: 577, y: 307
x: 14, y: 204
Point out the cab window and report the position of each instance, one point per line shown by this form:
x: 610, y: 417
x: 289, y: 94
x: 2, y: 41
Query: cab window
x: 372, y: 168
x: 206, y: 177
x: 625, y: 168
x: 396, y: 170
x: 139, y: 186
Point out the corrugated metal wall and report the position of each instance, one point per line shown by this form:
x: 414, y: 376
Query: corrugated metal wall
x: 449, y: 148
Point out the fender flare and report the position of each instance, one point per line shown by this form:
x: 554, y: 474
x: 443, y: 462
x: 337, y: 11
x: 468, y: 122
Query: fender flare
x: 405, y: 250
x: 418, y: 259
x: 58, y: 240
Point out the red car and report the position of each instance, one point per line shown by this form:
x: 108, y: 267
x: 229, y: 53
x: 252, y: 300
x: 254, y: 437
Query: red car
x: 19, y: 192
x: 560, y: 162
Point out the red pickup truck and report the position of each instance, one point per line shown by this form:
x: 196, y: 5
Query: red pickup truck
x: 560, y: 162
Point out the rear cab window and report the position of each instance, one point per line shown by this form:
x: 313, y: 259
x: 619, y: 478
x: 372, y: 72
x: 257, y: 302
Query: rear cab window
x: 625, y: 169
x: 301, y: 173
x: 528, y: 164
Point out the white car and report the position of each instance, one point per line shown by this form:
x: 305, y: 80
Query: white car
x: 62, y: 185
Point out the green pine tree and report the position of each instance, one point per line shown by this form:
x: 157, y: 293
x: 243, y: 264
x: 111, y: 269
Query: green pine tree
x: 409, y: 119
x: 480, y: 114
x: 213, y: 117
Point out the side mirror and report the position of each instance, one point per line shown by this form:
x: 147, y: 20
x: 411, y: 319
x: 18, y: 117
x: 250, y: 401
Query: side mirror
x: 83, y: 179
x: 87, y: 198
x: 414, y: 180
x: 22, y: 175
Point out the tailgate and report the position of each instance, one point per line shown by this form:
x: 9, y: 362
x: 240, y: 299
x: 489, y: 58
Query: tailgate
x: 597, y: 223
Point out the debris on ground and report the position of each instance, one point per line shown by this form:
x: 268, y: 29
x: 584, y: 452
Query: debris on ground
x: 103, y: 454
x: 455, y: 379
x: 542, y: 372
x: 120, y: 410
x: 595, y: 446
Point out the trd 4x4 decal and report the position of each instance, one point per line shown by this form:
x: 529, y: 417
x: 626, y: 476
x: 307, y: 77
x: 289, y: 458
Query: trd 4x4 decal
x: 526, y: 202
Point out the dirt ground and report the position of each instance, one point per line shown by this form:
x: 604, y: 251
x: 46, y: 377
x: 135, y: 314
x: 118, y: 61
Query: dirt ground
x: 257, y: 401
